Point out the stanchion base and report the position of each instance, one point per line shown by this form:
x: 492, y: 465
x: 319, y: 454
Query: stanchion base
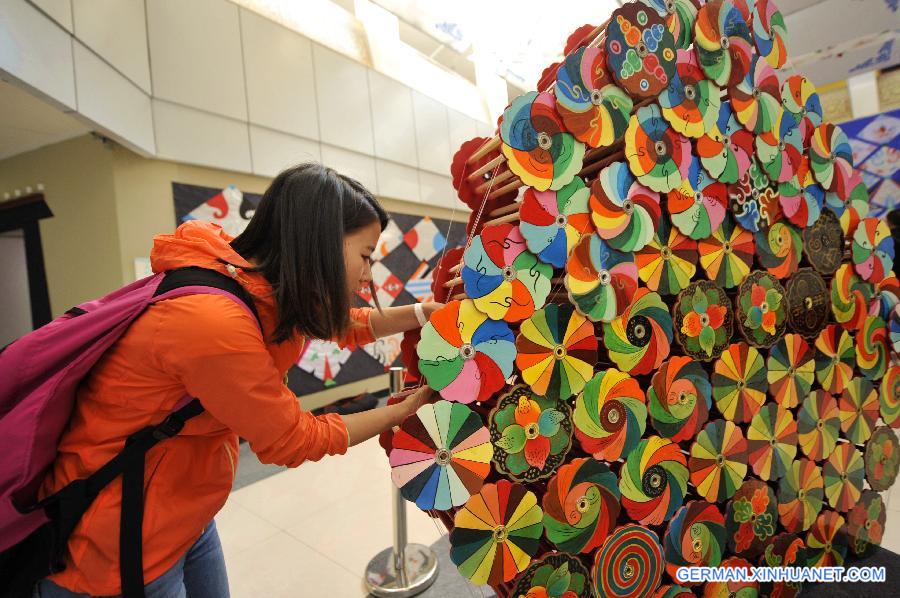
x: 421, y: 571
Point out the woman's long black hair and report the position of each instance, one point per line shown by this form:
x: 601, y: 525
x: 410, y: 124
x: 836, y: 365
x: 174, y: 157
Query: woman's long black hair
x: 296, y: 239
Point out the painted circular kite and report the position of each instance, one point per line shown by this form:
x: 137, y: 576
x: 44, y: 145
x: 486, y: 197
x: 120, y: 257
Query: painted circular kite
x: 729, y: 588
x: 751, y: 518
x: 653, y: 481
x: 727, y: 255
x: 669, y: 261
x: 826, y: 542
x: 537, y: 146
x: 691, y: 101
x: 557, y: 575
x: 882, y: 459
x: 640, y: 339
x: 658, y: 155
x: 610, y: 415
x: 818, y: 423
x: 865, y: 523
x: 679, y: 16
x: 835, y: 359
x: 672, y: 591
x: 770, y: 33
x: 640, y: 50
x: 800, y: 99
x: 624, y: 212
x: 464, y: 355
x: 724, y: 42
x: 784, y: 550
x: 739, y: 382
x: 801, y: 206
x: 696, y: 537
x: 800, y: 495
x: 772, y: 441
x: 679, y: 398
x: 556, y: 351
x: 895, y: 330
x: 704, y: 321
x: 504, y: 279
x: 592, y: 107
x: 581, y: 505
x: 792, y: 370
x: 844, y: 474
x: 440, y: 456
x: 872, y: 349
x: 754, y: 199
x: 873, y: 250
x: 530, y: 434
x: 823, y: 242
x: 762, y: 309
x: 808, y: 306
x: 779, y: 247
x: 831, y: 158
x: 756, y: 98
x: 889, y: 397
x: 853, y: 209
x: 600, y: 280
x: 886, y: 298
x: 698, y: 206
x: 496, y: 533
x: 726, y: 148
x: 630, y: 563
x: 850, y: 296
x: 552, y: 222
x: 859, y: 409
x: 718, y: 461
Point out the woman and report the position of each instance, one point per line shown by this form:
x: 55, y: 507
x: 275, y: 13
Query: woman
x: 304, y: 254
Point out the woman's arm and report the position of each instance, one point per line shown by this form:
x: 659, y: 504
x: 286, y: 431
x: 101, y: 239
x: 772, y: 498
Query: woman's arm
x: 392, y: 320
x: 365, y: 425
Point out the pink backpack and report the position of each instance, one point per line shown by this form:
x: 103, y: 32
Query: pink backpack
x: 39, y: 376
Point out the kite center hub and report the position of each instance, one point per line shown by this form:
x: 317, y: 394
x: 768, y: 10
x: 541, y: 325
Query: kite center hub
x: 820, y: 424
x: 670, y: 7
x: 801, y: 494
x: 583, y: 504
x: 724, y: 42
x: 559, y: 352
x: 698, y: 198
x: 561, y: 220
x: 604, y: 277
x: 726, y: 247
x: 596, y: 97
x: 764, y: 307
x: 690, y: 92
x: 467, y: 352
x: 660, y: 148
x: 781, y: 146
x: 720, y: 460
x: 628, y: 206
x: 532, y: 431
x: 665, y: 252
x: 641, y: 49
x: 772, y: 441
x: 544, y: 141
x: 628, y: 572
x: 704, y: 319
x: 500, y: 534
x: 808, y: 302
x: 509, y: 273
x: 443, y: 456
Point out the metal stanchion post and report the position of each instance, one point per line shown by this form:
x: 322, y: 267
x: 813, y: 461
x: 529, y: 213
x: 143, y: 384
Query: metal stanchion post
x: 402, y: 569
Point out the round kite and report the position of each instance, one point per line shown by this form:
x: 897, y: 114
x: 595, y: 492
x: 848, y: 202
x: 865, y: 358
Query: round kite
x: 531, y: 435
x: 726, y: 148
x: 831, y: 158
x: 729, y: 588
x: 895, y: 330
x: 854, y: 208
x: 751, y: 518
x: 537, y: 146
x: 823, y: 241
x: 464, y: 355
x: 581, y: 505
x: 770, y: 33
x: 679, y: 16
x: 724, y: 42
x: 699, y: 204
x: 600, y: 280
x: 844, y: 475
x: 807, y: 303
x: 727, y: 254
x: 800, y: 99
x: 669, y: 261
x: 784, y: 550
x: 496, y: 533
x: 556, y: 351
x: 640, y: 50
x: 610, y: 415
x: 691, y: 101
x: 704, y: 321
x: 850, y: 298
x: 679, y: 398
x: 673, y: 591
x: 779, y: 247
x: 653, y: 481
x: 556, y: 575
x: 888, y: 396
x: 800, y: 495
x: 762, y: 309
x: 658, y: 155
x: 792, y: 369
x: 802, y: 207
x: 630, y: 563
x: 696, y: 537
x: 756, y: 98
x: 552, y: 222
x: 858, y: 407
x: 873, y: 250
x: 739, y: 382
x: 872, y: 351
x: 718, y: 461
x: 772, y: 441
x: 639, y: 340
x: 592, y: 107
x: 440, y: 456
x: 818, y: 423
x: 624, y: 212
x: 886, y: 298
x: 865, y: 523
x: 754, y: 200
x: 826, y: 542
x: 835, y: 359
x: 882, y: 459
x: 504, y: 279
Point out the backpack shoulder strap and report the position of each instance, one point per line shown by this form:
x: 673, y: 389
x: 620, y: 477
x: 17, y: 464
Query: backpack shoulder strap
x: 192, y: 280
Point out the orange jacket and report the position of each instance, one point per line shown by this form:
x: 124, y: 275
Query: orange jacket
x: 210, y: 348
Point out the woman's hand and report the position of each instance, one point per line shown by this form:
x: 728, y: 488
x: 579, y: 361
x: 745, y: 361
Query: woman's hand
x: 415, y: 399
x: 431, y: 307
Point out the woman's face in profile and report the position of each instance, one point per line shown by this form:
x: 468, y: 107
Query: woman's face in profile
x: 358, y: 248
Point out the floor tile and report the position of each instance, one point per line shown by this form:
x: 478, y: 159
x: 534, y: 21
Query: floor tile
x: 240, y: 529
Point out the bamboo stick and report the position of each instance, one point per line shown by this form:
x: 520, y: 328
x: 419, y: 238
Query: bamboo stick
x: 514, y: 217
x: 505, y: 189
x: 500, y: 178
x: 599, y: 165
x: 486, y: 168
x: 513, y: 207
x: 485, y: 149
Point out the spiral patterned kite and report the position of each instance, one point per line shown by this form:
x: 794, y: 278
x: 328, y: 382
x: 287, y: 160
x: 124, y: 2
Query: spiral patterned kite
x: 610, y: 415
x: 552, y: 222
x: 679, y: 398
x: 724, y: 43
x: 658, y: 155
x: 624, y: 212
x: 639, y: 340
x: 726, y: 148
x: 698, y: 206
x: 850, y: 297
x: 873, y: 250
x: 872, y: 348
x: 691, y: 101
x: 630, y: 563
x: 600, y: 280
x: 653, y: 481
x: 696, y: 536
